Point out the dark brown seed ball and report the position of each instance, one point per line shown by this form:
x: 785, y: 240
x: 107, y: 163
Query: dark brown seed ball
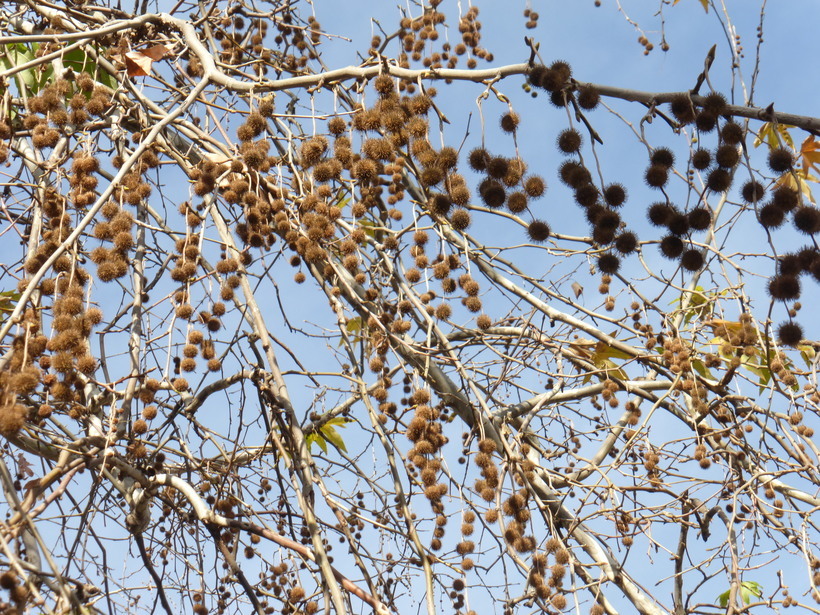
x: 789, y: 334
x: 569, y: 141
x: 492, y: 193
x: 478, y: 158
x: 785, y: 198
x: 626, y: 242
x: 538, y: 230
x: 681, y: 107
x: 781, y: 160
x: 784, y: 287
x: 534, y: 186
x: 701, y: 159
x: 574, y: 174
x: 608, y: 263
x: 705, y: 121
x: 660, y: 213
x: 692, y: 260
x: 656, y: 176
x: 588, y: 97
x: 752, y: 191
x: 671, y: 246
x: 727, y: 156
x: 615, y: 195
x: 719, y: 180
x: 586, y: 195
x: 807, y: 219
x: 731, y: 133
x: 715, y: 103
x: 517, y: 202
x: 664, y: 157
x: 509, y: 122
x: 700, y: 218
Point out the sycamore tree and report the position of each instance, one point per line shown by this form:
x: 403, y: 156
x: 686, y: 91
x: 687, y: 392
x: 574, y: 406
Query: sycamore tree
x: 319, y: 306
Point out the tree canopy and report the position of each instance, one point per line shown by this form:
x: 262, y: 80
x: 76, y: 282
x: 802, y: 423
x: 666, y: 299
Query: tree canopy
x: 319, y: 306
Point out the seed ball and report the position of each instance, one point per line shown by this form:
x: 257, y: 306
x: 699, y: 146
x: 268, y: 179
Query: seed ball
x: 807, y: 219
x: 752, y: 191
x: 731, y: 133
x: 727, y: 156
x: 789, y: 334
x: 784, y: 287
x: 509, y: 122
x: 660, y: 213
x: 781, y: 160
x: 615, y: 195
x: 681, y: 107
x: 538, y: 231
x: 626, y: 243
x: 692, y: 260
x: 588, y: 97
x: 715, y: 103
x: 671, y: 246
x: 663, y: 157
x: 719, y: 180
x: 656, y: 176
x: 699, y: 218
x: 569, y: 141
x: 609, y: 263
x: 705, y: 121
x: 701, y: 159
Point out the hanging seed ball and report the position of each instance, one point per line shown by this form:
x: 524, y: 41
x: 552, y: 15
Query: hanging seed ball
x: 509, y: 122
x: 626, y: 243
x: 538, y: 231
x: 781, y: 160
x: 681, y: 107
x: 701, y: 159
x: 588, y: 97
x: 656, y: 176
x: 731, y: 133
x: 608, y: 263
x: 663, y: 157
x: 789, y: 334
x: 752, y: 192
x: 692, y: 260
x: 569, y: 141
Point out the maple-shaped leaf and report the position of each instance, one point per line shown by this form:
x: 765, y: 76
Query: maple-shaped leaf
x: 810, y: 154
x: 139, y: 63
x: 769, y: 132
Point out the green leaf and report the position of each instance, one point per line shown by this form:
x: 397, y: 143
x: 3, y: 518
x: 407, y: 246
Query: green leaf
x: 81, y: 62
x: 723, y: 599
x: 749, y: 590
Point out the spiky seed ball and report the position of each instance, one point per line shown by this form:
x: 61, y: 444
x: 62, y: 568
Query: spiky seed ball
x: 536, y: 75
x: 781, y: 159
x: 784, y: 287
x: 534, y: 186
x: 656, y: 176
x: 483, y: 322
x: 588, y: 97
x: 517, y: 202
x: 789, y: 334
x: 569, y: 141
x: 626, y: 243
x: 586, y: 195
x: 715, y: 103
x: 660, y: 213
x: 705, y: 121
x: 785, y: 198
x: 699, y: 218
x: 538, y: 230
x: 608, y: 263
x: 557, y: 99
x: 460, y: 219
x: 807, y: 219
x: 789, y: 264
x: 574, y: 174
x: 752, y: 191
x: 731, y: 133
x: 681, y: 107
x: 719, y: 180
x: 478, y: 159
x: 701, y: 159
x: 671, y: 246
x: 615, y: 195
x: 384, y: 85
x: 440, y: 204
x: 678, y: 224
x: 497, y: 167
x: 509, y: 122
x: 692, y: 260
x: 663, y: 157
x: 608, y: 219
x: 492, y: 193
x: 727, y: 156
x: 603, y: 236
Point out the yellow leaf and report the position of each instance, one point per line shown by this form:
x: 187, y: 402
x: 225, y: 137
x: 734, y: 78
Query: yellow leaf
x: 797, y: 180
x: 768, y: 133
x: 810, y: 153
